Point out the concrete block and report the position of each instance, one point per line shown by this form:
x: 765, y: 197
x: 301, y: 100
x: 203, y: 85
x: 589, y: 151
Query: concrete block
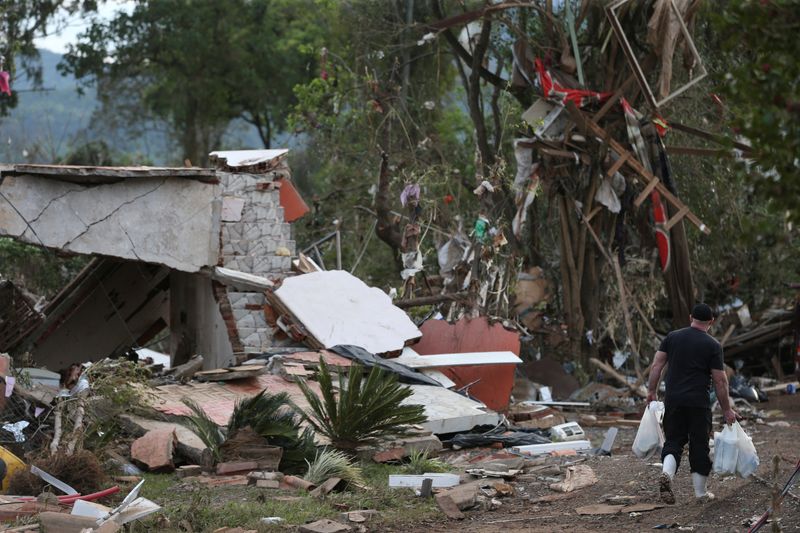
x: 155, y: 449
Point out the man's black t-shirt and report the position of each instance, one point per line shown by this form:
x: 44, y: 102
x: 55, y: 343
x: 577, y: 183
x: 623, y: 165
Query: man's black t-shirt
x: 691, y: 354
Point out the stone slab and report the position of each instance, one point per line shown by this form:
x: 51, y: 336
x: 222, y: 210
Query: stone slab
x: 155, y: 449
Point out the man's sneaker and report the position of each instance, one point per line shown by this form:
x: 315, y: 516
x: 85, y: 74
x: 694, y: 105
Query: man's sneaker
x: 665, y: 488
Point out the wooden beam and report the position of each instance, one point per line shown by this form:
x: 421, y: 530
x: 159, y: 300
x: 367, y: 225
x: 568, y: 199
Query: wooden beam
x: 633, y: 164
x: 632, y: 62
x: 431, y: 300
x: 682, y: 212
x: 703, y: 134
x: 613, y: 169
x: 646, y: 192
x: 593, y: 212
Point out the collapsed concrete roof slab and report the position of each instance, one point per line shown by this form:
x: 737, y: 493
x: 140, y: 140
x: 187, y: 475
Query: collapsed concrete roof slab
x: 94, y: 175
x: 337, y: 308
x: 156, y: 219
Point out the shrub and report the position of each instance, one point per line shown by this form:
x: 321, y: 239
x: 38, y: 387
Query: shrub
x: 364, y: 411
x: 333, y: 463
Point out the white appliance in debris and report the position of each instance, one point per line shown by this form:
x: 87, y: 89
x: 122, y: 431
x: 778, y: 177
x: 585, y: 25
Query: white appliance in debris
x: 567, y: 432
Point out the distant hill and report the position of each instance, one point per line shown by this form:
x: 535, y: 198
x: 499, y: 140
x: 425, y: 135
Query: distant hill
x: 48, y: 124
x: 45, y: 124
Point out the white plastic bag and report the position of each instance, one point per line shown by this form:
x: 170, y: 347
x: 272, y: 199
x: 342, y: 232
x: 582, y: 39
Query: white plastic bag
x: 747, y: 461
x: 726, y: 449
x: 650, y: 437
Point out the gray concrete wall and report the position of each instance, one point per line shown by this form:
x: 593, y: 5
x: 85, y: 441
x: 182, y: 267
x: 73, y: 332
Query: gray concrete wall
x: 170, y: 221
x: 197, y: 325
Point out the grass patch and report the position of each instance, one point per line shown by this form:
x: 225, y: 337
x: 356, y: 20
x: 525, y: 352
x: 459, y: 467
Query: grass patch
x: 207, y: 508
x: 421, y: 463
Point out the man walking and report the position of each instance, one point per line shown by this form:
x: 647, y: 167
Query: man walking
x: 695, y: 359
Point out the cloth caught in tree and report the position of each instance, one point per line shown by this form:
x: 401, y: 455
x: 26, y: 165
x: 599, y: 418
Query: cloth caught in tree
x: 554, y: 91
x: 5, y: 85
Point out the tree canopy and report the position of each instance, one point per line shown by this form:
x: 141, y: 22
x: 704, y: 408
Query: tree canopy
x: 199, y: 65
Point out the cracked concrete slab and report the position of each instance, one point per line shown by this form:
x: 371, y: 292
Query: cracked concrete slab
x: 170, y: 221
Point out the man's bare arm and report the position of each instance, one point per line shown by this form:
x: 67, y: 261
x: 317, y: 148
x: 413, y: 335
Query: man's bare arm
x: 655, y: 374
x: 721, y: 386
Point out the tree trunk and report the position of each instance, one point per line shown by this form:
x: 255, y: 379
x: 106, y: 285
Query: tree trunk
x: 570, y: 281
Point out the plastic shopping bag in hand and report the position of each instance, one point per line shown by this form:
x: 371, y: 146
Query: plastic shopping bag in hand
x: 747, y: 460
x: 650, y: 437
x: 726, y: 450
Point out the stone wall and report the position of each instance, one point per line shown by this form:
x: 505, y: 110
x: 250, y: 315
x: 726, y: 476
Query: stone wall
x: 254, y: 239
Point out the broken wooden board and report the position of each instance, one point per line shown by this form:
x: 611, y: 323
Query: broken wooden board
x: 605, y: 508
x: 336, y: 308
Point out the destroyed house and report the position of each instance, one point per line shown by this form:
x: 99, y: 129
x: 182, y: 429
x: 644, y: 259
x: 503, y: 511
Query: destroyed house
x: 186, y: 252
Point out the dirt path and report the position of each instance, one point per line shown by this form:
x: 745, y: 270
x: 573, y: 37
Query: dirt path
x: 624, y: 475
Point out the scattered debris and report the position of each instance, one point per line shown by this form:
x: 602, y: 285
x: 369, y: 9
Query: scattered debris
x: 577, y: 477
x: 324, y: 526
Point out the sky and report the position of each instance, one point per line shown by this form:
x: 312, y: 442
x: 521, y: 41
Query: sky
x: 63, y: 34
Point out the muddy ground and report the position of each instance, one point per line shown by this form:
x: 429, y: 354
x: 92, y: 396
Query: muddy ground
x: 623, y: 474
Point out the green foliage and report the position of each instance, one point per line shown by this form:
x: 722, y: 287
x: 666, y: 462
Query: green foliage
x: 37, y: 269
x: 365, y: 410
x: 759, y: 40
x: 205, y: 428
x: 333, y: 463
x: 419, y: 462
x: 272, y: 417
x: 199, y: 65
x: 269, y: 416
x: 21, y: 22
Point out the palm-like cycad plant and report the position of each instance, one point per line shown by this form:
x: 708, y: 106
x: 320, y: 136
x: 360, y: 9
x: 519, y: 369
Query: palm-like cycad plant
x: 269, y: 416
x: 273, y: 417
x: 365, y: 410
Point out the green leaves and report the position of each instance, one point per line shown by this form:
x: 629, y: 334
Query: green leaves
x: 205, y: 428
x: 270, y: 416
x: 199, y: 65
x: 365, y: 410
x: 759, y: 40
x: 273, y: 417
x: 333, y: 463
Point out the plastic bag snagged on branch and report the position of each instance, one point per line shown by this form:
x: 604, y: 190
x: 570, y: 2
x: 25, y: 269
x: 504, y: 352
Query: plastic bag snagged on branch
x: 650, y: 437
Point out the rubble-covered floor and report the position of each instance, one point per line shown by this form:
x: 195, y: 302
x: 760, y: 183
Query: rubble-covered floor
x: 623, y: 474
